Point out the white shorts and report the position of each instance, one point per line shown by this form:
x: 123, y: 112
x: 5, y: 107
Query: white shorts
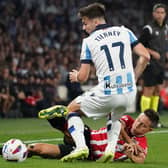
x: 95, y: 104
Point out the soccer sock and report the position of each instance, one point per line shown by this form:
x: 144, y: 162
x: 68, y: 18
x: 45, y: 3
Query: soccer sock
x: 113, y: 131
x: 76, y: 129
x: 145, y: 103
x: 155, y: 103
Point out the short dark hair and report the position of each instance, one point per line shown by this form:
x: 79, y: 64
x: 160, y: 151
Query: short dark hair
x: 153, y: 117
x: 160, y: 5
x: 92, y: 11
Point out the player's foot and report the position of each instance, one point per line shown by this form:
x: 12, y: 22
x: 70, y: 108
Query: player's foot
x: 54, y: 111
x: 107, y: 157
x: 76, y: 154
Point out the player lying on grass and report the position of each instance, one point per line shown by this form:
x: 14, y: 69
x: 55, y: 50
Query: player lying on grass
x: 97, y: 139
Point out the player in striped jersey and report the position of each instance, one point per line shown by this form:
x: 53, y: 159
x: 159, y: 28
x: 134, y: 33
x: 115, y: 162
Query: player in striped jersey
x: 97, y: 139
x: 109, y: 49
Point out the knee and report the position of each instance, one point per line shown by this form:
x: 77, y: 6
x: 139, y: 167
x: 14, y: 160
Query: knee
x: 73, y: 106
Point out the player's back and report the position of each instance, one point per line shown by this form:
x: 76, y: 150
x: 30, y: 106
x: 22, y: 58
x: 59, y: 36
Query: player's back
x: 110, y: 51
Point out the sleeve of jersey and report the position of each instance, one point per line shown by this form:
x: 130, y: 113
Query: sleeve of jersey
x: 145, y: 35
x: 142, y: 141
x: 86, y: 57
x: 133, y: 39
x: 127, y: 120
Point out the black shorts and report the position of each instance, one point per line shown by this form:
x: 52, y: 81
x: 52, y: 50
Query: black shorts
x: 65, y: 149
x: 153, y: 75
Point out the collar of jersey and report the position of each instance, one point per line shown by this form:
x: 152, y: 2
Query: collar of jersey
x: 101, y: 26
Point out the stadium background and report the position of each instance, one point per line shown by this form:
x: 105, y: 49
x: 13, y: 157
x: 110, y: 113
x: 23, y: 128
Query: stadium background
x: 40, y: 43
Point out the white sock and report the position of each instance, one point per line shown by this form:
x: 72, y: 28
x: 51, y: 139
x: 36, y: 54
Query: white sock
x: 113, y: 132
x: 76, y: 129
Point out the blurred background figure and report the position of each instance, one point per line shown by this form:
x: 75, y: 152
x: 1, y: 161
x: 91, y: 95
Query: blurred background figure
x: 6, y: 92
x: 155, y: 38
x: 43, y: 37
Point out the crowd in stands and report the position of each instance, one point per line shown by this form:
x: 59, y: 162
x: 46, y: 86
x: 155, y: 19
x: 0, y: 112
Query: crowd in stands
x: 40, y: 43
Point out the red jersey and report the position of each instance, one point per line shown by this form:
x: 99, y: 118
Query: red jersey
x: 98, y: 141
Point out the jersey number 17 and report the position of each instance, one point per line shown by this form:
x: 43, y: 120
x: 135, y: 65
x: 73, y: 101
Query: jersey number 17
x: 108, y: 56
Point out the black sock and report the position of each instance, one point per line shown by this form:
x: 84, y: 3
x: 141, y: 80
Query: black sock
x: 0, y: 150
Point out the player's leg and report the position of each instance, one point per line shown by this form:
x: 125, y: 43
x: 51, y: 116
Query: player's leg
x: 156, y: 95
x: 145, y: 103
x: 120, y: 103
x: 155, y: 103
x: 92, y: 105
x: 150, y: 81
x: 113, y: 131
x: 146, y: 98
x: 74, y: 121
x: 89, y: 104
x: 76, y: 129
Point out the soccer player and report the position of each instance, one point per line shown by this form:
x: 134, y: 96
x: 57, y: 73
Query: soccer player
x: 109, y: 49
x: 155, y: 38
x: 97, y: 139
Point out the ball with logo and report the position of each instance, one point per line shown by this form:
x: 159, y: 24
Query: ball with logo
x: 14, y: 150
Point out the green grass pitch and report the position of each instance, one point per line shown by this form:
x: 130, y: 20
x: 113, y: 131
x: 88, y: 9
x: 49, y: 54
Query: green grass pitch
x: 37, y: 130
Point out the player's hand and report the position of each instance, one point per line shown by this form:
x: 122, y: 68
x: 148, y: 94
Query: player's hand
x: 73, y: 75
x: 128, y: 147
x: 134, y: 147
x: 128, y: 150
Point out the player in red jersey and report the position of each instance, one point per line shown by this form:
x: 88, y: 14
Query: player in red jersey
x: 98, y: 138
x: 134, y: 146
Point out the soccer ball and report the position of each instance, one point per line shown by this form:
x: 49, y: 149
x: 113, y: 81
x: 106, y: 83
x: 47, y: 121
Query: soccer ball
x: 14, y: 150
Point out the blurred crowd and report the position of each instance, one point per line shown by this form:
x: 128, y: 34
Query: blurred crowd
x: 40, y: 43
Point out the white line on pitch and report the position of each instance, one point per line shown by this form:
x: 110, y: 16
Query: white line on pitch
x: 41, y: 140
x: 60, y: 139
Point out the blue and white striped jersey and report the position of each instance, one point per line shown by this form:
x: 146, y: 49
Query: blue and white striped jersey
x: 109, y: 48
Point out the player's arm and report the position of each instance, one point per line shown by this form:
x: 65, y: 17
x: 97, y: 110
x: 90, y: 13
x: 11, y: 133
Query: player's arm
x: 123, y: 133
x: 143, y: 60
x: 81, y: 75
x: 127, y: 139
x: 136, y: 158
x: 141, y: 51
x: 86, y: 59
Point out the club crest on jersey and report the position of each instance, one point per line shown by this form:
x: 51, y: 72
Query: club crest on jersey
x: 157, y: 33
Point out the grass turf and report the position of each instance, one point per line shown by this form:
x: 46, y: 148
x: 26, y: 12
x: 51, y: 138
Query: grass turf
x: 40, y: 130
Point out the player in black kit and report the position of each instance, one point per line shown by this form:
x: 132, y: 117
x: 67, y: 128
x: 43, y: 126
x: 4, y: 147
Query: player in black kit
x: 155, y: 38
